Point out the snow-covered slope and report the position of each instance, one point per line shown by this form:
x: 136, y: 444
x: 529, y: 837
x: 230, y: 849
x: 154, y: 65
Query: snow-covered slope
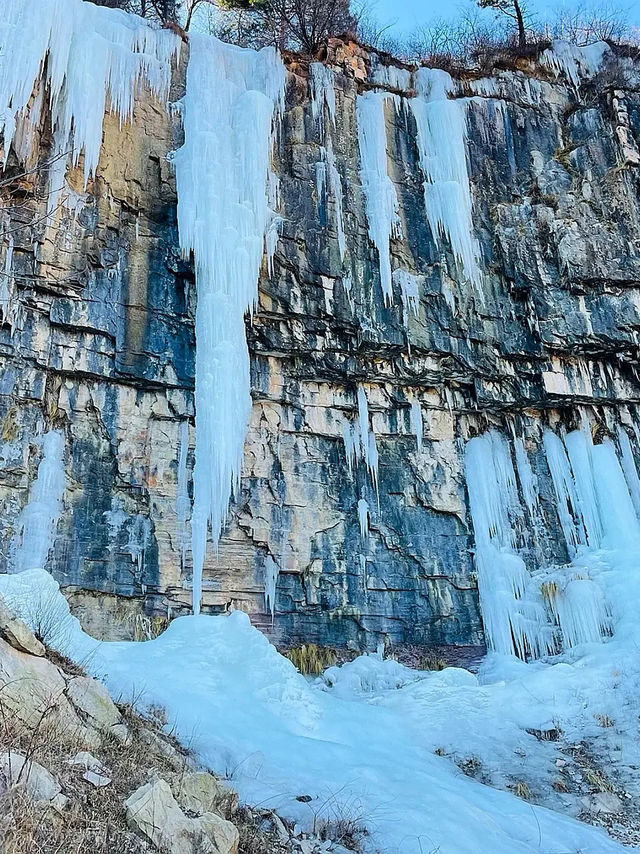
x: 361, y: 740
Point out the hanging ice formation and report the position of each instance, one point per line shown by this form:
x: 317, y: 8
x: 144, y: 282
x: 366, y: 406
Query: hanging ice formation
x: 360, y: 441
x: 442, y: 146
x: 327, y: 175
x: 37, y: 522
x: 409, y: 291
x: 514, y: 617
x: 595, y: 510
x: 416, y: 422
x: 271, y: 573
x: 96, y: 59
x: 183, y: 502
x: 363, y: 517
x: 573, y: 61
x: 381, y: 200
x: 223, y: 217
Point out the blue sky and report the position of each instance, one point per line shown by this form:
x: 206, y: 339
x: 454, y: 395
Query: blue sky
x: 405, y: 15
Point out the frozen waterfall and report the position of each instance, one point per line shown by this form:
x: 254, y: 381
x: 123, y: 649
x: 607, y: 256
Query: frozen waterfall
x: 531, y: 611
x: 223, y: 216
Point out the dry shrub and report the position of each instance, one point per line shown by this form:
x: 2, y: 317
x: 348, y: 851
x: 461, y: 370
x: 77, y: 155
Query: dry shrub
x: 312, y: 660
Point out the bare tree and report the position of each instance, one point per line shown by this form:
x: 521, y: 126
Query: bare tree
x: 513, y: 9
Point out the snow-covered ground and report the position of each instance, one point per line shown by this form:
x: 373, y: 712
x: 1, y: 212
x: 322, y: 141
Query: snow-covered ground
x: 361, y: 740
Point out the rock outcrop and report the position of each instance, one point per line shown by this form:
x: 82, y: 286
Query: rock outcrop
x: 101, y: 349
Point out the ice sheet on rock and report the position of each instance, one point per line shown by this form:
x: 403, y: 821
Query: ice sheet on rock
x: 579, y: 447
x: 574, y: 62
x: 381, y: 200
x: 36, y: 526
x: 96, y: 59
x: 322, y: 93
x: 620, y: 525
x: 328, y: 179
x: 183, y: 502
x: 566, y: 496
x: 409, y: 291
x: 629, y: 467
x: 526, y: 477
x: 223, y: 214
x: 442, y: 146
x: 390, y: 76
x: 416, y: 422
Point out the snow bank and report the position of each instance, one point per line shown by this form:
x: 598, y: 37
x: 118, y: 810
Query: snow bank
x: 364, y: 746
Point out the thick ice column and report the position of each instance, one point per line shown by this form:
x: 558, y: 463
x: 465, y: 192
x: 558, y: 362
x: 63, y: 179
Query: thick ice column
x: 381, y: 201
x: 223, y: 215
x: 37, y: 523
x: 442, y: 145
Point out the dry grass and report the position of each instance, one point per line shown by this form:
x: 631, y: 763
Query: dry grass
x: 312, y: 660
x: 522, y: 790
x: 94, y: 821
x: 428, y: 662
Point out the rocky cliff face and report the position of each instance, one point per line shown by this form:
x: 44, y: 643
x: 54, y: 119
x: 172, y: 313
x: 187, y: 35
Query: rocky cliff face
x: 99, y: 345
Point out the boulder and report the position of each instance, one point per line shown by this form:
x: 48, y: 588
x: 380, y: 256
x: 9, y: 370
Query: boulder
x: 222, y: 834
x: 31, y: 686
x: 153, y: 812
x: 199, y: 792
x: 16, y: 632
x: 37, y: 782
x: 92, y: 699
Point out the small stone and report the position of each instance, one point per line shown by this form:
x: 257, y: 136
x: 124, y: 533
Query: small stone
x: 602, y: 802
x: 97, y: 780
x: 86, y: 760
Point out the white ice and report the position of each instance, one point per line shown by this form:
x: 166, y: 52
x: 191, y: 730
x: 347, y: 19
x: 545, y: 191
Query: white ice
x: 574, y: 62
x: 96, y: 59
x: 381, y: 200
x: 363, y: 517
x: 37, y: 523
x: 361, y: 740
x: 442, y: 145
x: 223, y: 215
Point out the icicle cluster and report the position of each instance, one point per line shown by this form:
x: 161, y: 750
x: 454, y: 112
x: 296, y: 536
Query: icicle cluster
x: 514, y: 616
x: 572, y: 61
x: 96, y: 59
x: 360, y: 441
x: 37, y: 522
x: 223, y: 217
x: 442, y: 146
x: 327, y: 176
x: 381, y: 200
x: 593, y: 485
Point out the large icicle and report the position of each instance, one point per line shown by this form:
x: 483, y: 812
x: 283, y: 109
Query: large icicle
x: 183, y: 502
x: 629, y: 468
x: 37, y: 523
x: 96, y: 58
x: 564, y: 486
x: 223, y: 214
x: 442, y: 137
x: 380, y: 194
x: 512, y: 611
